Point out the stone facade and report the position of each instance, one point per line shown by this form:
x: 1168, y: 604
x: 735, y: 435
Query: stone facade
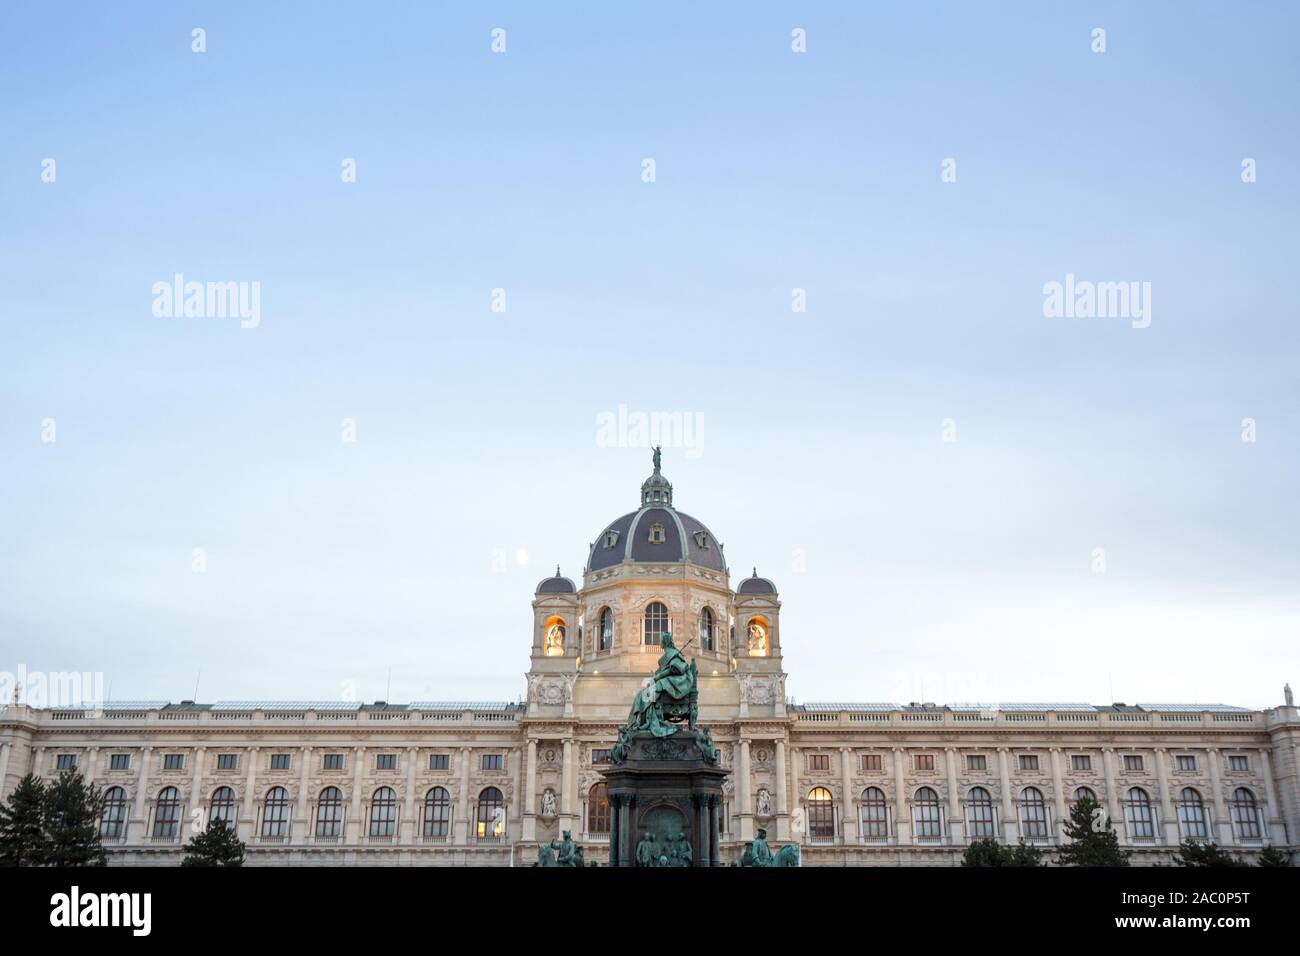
x: 480, y: 783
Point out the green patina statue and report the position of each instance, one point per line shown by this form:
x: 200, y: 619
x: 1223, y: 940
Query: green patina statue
x: 758, y: 853
x: 568, y: 852
x: 669, y: 696
x: 645, y: 851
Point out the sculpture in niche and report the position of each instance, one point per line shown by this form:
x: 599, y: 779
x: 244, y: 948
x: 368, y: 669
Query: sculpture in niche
x: 764, y: 808
x: 548, y: 802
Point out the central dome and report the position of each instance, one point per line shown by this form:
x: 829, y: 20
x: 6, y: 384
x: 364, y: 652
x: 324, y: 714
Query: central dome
x: 656, y: 534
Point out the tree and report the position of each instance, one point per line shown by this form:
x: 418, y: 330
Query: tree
x: 1093, y: 841
x: 218, y: 845
x: 1272, y: 856
x: 1026, y: 855
x: 72, y: 809
x: 1191, y: 853
x: 987, y: 852
x: 22, y: 824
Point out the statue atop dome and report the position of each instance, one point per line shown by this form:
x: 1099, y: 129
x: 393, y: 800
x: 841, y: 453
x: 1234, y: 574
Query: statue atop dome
x: 657, y: 457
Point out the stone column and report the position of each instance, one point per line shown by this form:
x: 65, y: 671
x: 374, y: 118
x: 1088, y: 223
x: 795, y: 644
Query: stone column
x: 956, y: 821
x: 782, y: 794
x: 848, y: 818
x: 743, y: 797
x: 196, y: 792
x: 1112, y: 795
x: 1222, y: 822
x: 702, y: 841
x: 407, y: 825
x: 1058, y: 785
x: 1169, y: 825
x: 355, y: 821
x: 1010, y: 830
x: 248, y: 826
x: 1274, y: 830
x: 530, y: 796
x: 902, y: 817
x: 302, y: 819
x: 462, y: 810
x: 568, y: 785
x: 715, y: 850
x: 140, y: 818
x: 92, y: 765
x: 5, y: 748
x: 615, y: 829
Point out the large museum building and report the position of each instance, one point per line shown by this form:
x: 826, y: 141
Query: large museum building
x: 483, y: 783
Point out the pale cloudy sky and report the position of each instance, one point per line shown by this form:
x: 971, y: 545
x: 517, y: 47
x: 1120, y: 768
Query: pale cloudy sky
x: 931, y: 570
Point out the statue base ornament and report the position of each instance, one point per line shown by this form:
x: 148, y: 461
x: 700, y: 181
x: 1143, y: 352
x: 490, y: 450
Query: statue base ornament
x: 665, y: 799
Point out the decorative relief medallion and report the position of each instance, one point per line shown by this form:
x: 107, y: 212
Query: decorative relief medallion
x: 663, y: 750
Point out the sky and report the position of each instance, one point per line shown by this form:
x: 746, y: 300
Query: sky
x: 354, y: 491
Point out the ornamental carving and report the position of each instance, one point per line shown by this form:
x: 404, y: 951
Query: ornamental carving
x: 663, y: 749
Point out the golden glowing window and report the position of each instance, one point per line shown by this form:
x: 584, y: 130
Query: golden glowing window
x: 554, y: 641
x: 758, y: 642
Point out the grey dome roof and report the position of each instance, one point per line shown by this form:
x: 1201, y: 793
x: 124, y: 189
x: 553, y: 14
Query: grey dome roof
x: 756, y: 585
x: 556, y: 585
x: 628, y: 538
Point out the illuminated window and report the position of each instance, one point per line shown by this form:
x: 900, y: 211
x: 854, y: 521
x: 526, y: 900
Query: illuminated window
x: 598, y: 809
x: 553, y: 643
x: 758, y: 637
x: 821, y: 814
x: 490, y: 819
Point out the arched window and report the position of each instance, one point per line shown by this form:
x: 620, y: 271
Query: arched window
x: 1245, y: 814
x: 979, y: 814
x: 275, y: 814
x: 758, y: 637
x: 490, y: 820
x: 1033, y: 814
x: 598, y: 809
x: 383, y: 812
x: 706, y: 630
x: 222, y: 806
x: 167, y: 815
x: 112, y: 825
x: 437, y: 813
x: 1084, y: 793
x: 329, y: 813
x: 553, y: 640
x: 606, y: 629
x: 926, y: 818
x: 875, y: 814
x: 656, y: 622
x: 1138, y: 815
x: 1191, y: 814
x: 821, y: 814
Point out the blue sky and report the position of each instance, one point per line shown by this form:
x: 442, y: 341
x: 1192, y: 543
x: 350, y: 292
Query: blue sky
x: 938, y: 570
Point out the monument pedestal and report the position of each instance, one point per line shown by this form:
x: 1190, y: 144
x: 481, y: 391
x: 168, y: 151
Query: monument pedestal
x: 667, y: 789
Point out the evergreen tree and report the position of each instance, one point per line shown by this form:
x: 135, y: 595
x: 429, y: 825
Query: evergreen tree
x: 987, y: 852
x: 1272, y: 856
x: 1026, y: 855
x: 1191, y: 853
x: 218, y: 845
x: 22, y: 828
x: 72, y: 809
x: 1093, y: 841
